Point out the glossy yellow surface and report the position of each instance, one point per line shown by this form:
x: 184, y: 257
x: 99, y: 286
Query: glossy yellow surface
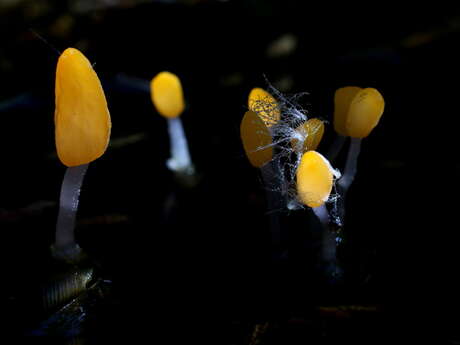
x: 82, y: 119
x: 256, y: 139
x: 314, y: 179
x: 342, y: 100
x: 364, y: 114
x: 261, y: 102
x: 313, y: 131
x: 167, y: 95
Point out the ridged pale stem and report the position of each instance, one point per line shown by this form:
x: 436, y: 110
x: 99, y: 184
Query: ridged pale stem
x: 65, y: 244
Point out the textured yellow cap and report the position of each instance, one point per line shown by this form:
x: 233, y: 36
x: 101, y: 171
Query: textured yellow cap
x: 261, y: 102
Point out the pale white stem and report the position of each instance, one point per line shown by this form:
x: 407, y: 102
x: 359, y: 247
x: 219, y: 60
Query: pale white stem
x: 322, y: 214
x: 336, y: 147
x: 180, y: 157
x: 351, y: 165
x: 328, y: 243
x: 68, y: 205
x: 274, y: 203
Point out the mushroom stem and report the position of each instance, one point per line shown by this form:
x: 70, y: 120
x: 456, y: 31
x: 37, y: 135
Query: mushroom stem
x: 328, y: 244
x: 351, y: 166
x: 65, y: 246
x: 179, y: 161
x: 274, y: 205
x: 336, y: 147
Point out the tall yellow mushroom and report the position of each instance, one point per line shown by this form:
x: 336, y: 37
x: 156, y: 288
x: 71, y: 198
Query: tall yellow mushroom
x: 82, y: 133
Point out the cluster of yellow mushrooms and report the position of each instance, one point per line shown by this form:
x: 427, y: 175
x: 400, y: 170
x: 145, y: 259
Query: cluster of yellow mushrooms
x: 357, y: 111
x: 83, y: 125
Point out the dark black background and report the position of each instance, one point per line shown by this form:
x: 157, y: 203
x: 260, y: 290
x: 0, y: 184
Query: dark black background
x: 208, y: 264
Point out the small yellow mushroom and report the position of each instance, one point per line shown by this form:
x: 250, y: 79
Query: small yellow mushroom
x: 364, y: 113
x: 342, y: 100
x: 312, y: 131
x: 314, y: 179
x: 82, y: 119
x: 357, y: 111
x: 261, y: 102
x: 167, y: 95
x: 256, y: 139
x: 168, y: 99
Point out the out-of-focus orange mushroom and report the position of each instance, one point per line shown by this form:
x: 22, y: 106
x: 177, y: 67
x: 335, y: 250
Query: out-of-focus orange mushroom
x: 168, y: 99
x: 167, y: 94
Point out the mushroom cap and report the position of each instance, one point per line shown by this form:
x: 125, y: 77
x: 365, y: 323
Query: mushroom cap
x: 265, y: 105
x: 313, y: 131
x: 357, y: 111
x: 364, y: 113
x: 342, y: 100
x: 167, y: 95
x: 256, y: 139
x: 314, y: 179
x: 82, y: 119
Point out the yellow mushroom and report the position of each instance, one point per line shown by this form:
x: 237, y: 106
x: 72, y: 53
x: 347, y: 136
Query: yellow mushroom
x: 256, y: 139
x: 82, y: 119
x: 364, y: 113
x: 168, y: 99
x: 314, y: 179
x: 312, y: 131
x: 167, y: 95
x: 261, y: 102
x: 357, y: 111
x: 342, y: 100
